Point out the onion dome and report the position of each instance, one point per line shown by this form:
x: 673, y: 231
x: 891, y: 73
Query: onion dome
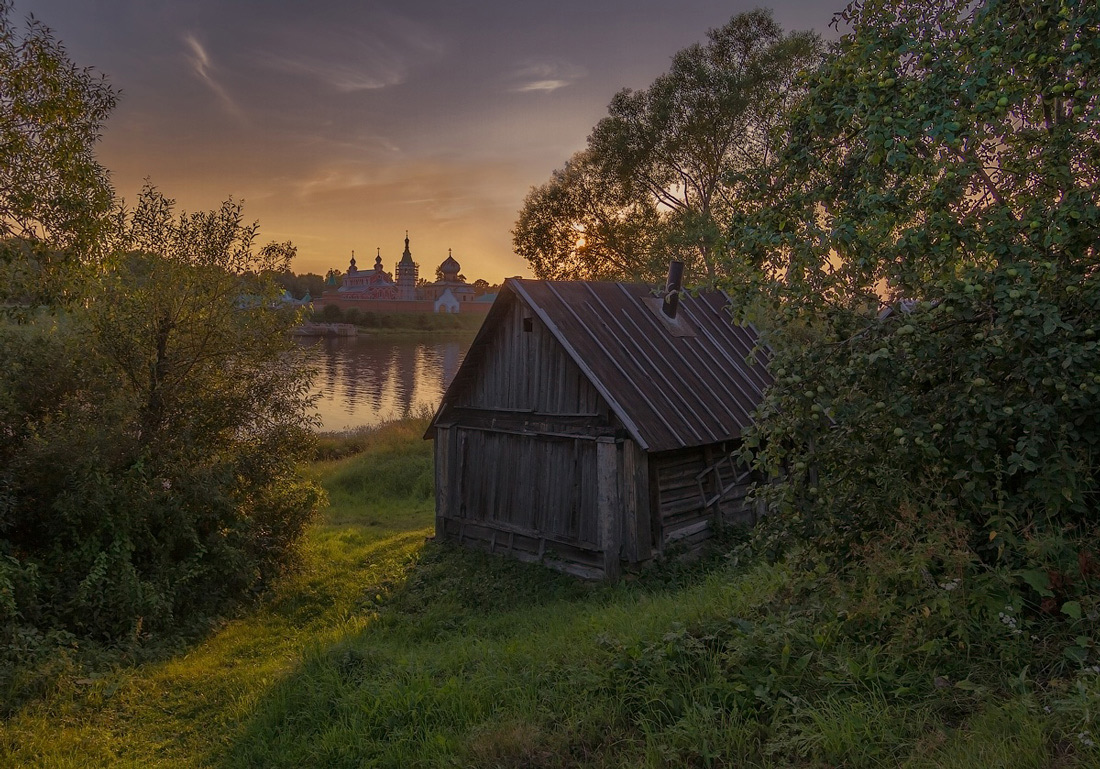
x: 450, y: 267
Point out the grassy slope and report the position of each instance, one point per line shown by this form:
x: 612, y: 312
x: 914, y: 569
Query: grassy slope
x: 387, y: 652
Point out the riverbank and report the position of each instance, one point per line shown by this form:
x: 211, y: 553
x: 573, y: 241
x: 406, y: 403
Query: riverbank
x: 387, y: 650
x: 366, y: 321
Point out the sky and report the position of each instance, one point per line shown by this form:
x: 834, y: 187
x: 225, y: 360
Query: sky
x: 341, y: 124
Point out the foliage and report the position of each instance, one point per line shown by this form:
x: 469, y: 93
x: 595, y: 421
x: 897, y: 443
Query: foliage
x: 658, y: 173
x: 150, y: 413
x: 300, y: 285
x: 418, y: 322
x: 944, y: 159
x: 581, y: 225
x: 151, y: 434
x: 55, y: 195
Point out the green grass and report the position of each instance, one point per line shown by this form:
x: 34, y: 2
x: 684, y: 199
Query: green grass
x: 387, y: 651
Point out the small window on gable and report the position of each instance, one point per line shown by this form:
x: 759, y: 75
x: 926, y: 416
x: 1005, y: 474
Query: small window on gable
x: 528, y: 324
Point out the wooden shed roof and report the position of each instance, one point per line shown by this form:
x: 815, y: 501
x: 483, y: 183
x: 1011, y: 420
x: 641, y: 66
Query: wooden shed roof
x: 672, y: 384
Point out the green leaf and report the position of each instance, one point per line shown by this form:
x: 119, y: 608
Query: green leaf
x: 1039, y: 581
x: 1072, y: 609
x: 1077, y: 654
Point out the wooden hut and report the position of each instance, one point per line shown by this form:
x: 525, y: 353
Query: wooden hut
x: 586, y: 429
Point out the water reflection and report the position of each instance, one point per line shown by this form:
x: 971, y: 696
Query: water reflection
x: 367, y: 380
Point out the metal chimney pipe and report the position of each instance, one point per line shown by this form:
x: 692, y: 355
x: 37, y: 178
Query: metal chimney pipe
x: 672, y: 288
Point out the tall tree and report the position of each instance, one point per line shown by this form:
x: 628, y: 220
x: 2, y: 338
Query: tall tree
x: 149, y: 430
x: 682, y: 142
x: 663, y: 168
x: 148, y: 472
x: 54, y: 196
x: 945, y: 161
x: 581, y: 225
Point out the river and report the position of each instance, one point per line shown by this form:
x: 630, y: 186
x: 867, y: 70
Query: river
x: 366, y: 380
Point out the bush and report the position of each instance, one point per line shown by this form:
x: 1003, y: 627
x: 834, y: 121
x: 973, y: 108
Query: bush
x: 942, y: 161
x: 151, y: 433
x: 353, y: 315
x: 330, y: 313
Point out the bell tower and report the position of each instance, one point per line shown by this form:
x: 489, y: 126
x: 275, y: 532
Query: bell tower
x: 406, y: 274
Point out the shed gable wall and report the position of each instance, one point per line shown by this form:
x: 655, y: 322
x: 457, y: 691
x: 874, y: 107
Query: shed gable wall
x: 528, y: 370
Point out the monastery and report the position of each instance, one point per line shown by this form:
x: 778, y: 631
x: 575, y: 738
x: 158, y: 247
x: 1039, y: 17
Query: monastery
x: 377, y: 291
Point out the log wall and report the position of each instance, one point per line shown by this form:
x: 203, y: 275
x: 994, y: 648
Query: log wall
x: 693, y: 488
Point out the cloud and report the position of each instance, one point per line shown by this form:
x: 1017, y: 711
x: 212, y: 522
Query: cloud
x: 438, y: 189
x: 340, y: 76
x: 542, y: 85
x: 201, y: 64
x: 545, y: 76
x: 351, y: 60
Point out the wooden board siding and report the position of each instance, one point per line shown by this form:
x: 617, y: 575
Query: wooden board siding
x: 579, y: 504
x: 545, y: 487
x: 529, y: 371
x: 637, y: 531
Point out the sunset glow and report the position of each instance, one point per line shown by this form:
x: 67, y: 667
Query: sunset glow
x: 342, y: 125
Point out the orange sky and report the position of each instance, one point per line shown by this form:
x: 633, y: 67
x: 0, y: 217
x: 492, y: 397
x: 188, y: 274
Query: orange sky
x: 343, y: 123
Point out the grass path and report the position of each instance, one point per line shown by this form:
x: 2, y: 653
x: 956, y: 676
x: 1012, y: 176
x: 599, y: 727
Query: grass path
x: 188, y: 710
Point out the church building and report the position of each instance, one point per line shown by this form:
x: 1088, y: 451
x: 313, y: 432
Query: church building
x: 377, y: 291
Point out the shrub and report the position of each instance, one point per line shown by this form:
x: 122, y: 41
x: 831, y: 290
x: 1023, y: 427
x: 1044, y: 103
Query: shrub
x: 943, y: 161
x: 148, y: 472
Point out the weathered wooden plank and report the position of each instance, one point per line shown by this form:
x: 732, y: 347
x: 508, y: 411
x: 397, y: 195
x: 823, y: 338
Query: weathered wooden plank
x: 689, y: 530
x: 608, y: 507
x: 636, y: 510
x: 630, y: 503
x: 443, y: 450
x: 681, y: 462
x: 678, y: 493
x: 527, y: 371
x: 523, y: 538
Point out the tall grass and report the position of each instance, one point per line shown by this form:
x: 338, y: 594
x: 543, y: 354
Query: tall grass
x: 387, y: 650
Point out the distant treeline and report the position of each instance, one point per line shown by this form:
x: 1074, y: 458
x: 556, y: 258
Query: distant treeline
x: 400, y: 321
x: 300, y: 285
x: 313, y: 284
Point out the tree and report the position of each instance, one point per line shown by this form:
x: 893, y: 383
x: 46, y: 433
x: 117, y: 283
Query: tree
x: 300, y: 285
x: 681, y: 141
x: 663, y: 168
x: 56, y: 197
x: 944, y: 161
x: 152, y: 478
x: 480, y: 286
x: 151, y: 413
x: 581, y: 225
